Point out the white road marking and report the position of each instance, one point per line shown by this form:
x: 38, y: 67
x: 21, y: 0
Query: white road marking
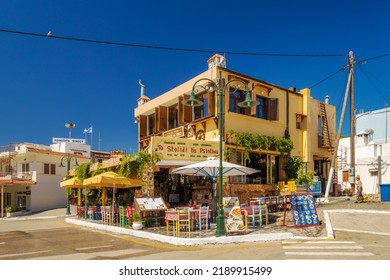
x: 323, y: 247
x: 90, y: 248
x: 363, y: 231
x: 88, y: 256
x: 319, y: 242
x: 310, y: 249
x: 23, y: 254
x: 355, y: 254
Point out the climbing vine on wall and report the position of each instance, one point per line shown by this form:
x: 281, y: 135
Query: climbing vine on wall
x: 133, y: 164
x: 255, y: 141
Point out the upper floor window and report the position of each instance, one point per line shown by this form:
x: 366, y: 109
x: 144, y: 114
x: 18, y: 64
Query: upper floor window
x: 235, y: 97
x: 151, y: 124
x: 25, y: 167
x: 267, y: 108
x: 202, y: 111
x: 173, y: 117
x: 49, y: 169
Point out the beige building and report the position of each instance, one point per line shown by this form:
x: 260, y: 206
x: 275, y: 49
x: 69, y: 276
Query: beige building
x: 164, y: 121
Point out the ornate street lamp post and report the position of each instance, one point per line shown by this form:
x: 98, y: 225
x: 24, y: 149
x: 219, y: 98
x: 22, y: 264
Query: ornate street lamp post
x: 193, y: 102
x: 68, y: 158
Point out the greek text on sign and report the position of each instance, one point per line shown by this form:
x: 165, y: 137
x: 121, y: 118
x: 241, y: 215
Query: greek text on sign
x: 184, y: 149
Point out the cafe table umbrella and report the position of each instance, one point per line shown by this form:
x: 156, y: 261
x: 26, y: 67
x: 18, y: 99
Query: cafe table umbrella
x: 73, y: 183
x: 210, y: 168
x: 111, y: 180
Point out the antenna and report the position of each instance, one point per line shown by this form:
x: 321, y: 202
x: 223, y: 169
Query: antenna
x: 142, y: 88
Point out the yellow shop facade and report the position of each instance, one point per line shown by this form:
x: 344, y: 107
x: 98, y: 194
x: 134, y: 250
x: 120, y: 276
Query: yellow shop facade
x: 181, y: 134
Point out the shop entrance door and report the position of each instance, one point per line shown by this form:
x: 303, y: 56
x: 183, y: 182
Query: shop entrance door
x: 22, y: 201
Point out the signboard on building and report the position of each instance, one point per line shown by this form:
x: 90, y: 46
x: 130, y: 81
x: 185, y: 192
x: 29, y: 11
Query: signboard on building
x: 184, y: 149
x: 68, y: 140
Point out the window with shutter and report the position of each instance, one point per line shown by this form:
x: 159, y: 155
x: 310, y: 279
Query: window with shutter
x: 273, y: 109
x: 173, y: 118
x: 143, y: 126
x: 163, y: 119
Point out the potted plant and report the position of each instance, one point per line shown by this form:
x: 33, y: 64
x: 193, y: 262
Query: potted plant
x: 348, y: 192
x: 137, y: 223
x: 9, y: 209
x: 304, y: 179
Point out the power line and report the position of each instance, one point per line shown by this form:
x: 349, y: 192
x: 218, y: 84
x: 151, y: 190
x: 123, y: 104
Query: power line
x: 372, y: 58
x: 51, y: 36
x: 328, y: 77
x: 372, y: 83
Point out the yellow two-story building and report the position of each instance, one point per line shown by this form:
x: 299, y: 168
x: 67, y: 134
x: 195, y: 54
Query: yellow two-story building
x: 182, y: 134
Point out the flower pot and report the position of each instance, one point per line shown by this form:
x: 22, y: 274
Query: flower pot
x: 137, y: 225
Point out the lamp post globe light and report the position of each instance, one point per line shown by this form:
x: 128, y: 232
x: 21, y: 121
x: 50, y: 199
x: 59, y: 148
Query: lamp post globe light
x: 68, y: 159
x: 193, y: 102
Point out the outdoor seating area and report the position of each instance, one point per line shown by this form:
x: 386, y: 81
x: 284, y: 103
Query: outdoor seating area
x: 119, y: 216
x: 188, y: 219
x: 182, y: 220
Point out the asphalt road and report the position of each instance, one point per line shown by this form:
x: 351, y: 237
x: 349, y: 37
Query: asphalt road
x: 53, y: 239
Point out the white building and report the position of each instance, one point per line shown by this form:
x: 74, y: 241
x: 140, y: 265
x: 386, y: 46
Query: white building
x: 24, y: 163
x: 372, y: 154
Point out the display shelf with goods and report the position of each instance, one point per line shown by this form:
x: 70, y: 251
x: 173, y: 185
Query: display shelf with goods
x: 152, y: 210
x: 202, y: 195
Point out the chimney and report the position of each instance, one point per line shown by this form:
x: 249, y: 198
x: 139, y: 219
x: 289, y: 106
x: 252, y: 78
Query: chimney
x: 294, y: 89
x: 142, y: 88
x: 217, y: 60
x: 327, y: 99
x: 143, y: 99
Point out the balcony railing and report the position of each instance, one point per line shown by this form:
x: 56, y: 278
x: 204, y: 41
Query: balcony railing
x: 16, y: 175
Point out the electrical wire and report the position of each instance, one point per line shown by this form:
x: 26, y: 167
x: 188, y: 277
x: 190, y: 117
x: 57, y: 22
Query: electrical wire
x: 51, y: 36
x: 372, y: 83
x: 372, y: 58
x: 328, y: 77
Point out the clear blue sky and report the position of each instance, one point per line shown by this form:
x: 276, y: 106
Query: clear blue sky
x: 46, y: 82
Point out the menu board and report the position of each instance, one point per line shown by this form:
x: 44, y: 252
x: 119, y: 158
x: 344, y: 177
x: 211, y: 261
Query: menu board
x: 233, y: 221
x: 150, y: 203
x: 303, y: 210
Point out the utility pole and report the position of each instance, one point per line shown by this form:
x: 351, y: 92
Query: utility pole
x: 351, y: 63
x: 338, y: 135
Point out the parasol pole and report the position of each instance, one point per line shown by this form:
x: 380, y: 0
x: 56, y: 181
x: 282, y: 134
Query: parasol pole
x: 213, y: 201
x: 113, y: 203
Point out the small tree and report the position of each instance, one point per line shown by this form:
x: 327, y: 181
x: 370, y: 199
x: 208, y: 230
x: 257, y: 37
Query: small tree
x: 292, y: 167
x: 305, y: 178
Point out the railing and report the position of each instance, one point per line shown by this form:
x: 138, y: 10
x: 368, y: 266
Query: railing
x: 17, y: 175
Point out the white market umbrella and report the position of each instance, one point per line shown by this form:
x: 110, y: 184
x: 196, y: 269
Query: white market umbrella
x: 210, y: 168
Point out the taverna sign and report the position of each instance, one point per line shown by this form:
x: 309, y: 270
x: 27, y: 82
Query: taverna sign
x: 183, y: 149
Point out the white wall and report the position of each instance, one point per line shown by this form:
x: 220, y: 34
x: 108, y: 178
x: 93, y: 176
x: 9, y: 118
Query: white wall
x: 366, y: 160
x: 46, y: 193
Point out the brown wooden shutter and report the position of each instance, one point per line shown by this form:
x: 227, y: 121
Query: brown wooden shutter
x: 157, y: 120
x: 211, y: 109
x: 187, y: 111
x: 162, y: 119
x: 272, y: 109
x: 143, y: 126
x: 181, y: 111
x: 253, y: 108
